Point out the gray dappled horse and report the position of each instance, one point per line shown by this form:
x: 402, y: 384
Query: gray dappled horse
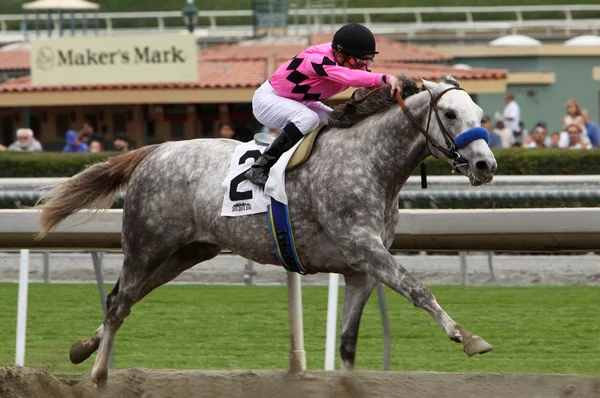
x: 343, y: 204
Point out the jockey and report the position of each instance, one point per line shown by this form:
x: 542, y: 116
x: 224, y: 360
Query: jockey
x: 289, y: 100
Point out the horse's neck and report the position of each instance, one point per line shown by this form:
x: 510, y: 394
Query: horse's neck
x: 398, y: 148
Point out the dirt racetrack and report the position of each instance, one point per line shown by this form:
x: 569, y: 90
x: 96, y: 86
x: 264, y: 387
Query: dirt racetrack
x: 33, y: 383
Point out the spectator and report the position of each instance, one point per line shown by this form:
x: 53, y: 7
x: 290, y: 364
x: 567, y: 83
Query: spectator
x: 576, y: 140
x: 495, y: 138
x: 86, y: 132
x: 122, y: 143
x: 25, y: 142
x: 591, y: 129
x: 512, y: 114
x: 506, y: 134
x: 227, y: 130
x: 573, y: 115
x: 73, y: 143
x: 96, y: 146
x: 537, y: 137
x: 520, y: 136
x: 555, y: 140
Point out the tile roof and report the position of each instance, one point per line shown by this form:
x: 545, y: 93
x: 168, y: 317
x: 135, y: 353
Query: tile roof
x: 389, y: 50
x: 434, y: 72
x: 225, y: 74
x: 393, y: 51
x: 248, y: 66
x: 14, y: 60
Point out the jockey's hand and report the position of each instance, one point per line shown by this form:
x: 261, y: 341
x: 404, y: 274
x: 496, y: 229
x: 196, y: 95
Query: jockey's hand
x: 395, y: 85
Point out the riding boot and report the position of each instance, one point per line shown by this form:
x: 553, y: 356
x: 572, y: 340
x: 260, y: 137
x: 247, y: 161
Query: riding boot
x: 287, y: 138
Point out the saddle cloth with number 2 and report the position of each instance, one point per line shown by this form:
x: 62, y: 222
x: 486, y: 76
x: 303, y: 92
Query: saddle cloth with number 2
x: 241, y: 197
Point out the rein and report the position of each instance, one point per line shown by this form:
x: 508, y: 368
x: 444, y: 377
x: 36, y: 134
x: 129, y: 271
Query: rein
x: 449, y: 152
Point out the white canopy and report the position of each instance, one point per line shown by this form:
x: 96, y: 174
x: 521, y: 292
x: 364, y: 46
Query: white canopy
x: 515, y: 40
x: 61, y: 5
x: 585, y: 40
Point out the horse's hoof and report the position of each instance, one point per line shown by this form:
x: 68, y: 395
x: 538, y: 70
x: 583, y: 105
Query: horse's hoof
x: 80, y: 351
x: 477, y: 345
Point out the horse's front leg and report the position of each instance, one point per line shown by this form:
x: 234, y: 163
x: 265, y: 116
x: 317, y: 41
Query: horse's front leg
x: 376, y: 261
x: 356, y: 293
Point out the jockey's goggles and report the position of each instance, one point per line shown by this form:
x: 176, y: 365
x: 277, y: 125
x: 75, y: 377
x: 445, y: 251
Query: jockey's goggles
x: 363, y: 62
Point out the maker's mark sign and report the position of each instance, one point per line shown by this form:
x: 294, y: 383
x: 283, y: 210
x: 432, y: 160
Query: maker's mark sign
x: 114, y: 60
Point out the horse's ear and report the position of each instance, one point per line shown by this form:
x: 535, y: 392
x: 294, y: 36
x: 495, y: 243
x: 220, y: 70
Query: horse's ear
x: 450, y: 80
x: 429, y: 86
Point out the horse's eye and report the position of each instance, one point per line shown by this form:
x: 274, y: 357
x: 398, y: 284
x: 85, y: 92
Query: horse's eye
x: 450, y: 115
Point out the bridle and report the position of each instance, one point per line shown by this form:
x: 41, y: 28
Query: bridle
x: 451, y: 152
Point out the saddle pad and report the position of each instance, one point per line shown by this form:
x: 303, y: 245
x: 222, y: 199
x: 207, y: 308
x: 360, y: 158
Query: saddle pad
x: 241, y: 197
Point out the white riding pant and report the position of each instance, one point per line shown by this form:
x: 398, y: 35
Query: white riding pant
x: 276, y: 112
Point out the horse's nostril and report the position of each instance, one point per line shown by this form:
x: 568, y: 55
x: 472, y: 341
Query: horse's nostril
x: 482, y: 165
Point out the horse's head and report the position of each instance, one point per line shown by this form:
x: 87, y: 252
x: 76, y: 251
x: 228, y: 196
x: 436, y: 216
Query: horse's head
x: 453, y: 123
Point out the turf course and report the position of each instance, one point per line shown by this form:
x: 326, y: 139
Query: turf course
x: 534, y: 329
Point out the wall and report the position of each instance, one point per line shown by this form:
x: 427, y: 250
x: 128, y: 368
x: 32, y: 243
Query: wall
x: 574, y: 79
x: 51, y: 123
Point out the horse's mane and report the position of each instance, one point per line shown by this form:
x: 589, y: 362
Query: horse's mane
x: 355, y: 110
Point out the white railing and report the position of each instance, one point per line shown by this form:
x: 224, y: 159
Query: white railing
x: 448, y: 230
x: 573, y: 187
x: 459, y: 19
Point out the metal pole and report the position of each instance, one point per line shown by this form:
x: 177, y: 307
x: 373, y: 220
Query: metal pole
x: 297, y: 353
x: 49, y: 24
x: 249, y: 273
x: 46, y: 256
x: 385, y: 321
x: 28, y: 117
x: 491, y: 266
x: 72, y: 23
x: 97, y: 260
x: 22, y: 307
x: 491, y: 256
x: 60, y: 23
x: 463, y: 268
x: 332, y: 304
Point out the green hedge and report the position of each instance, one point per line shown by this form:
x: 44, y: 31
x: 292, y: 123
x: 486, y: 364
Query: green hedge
x: 510, y: 162
x: 517, y: 161
x: 47, y: 164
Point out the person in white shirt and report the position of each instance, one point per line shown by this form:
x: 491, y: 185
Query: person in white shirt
x: 506, y: 135
x: 511, y: 114
x: 25, y: 142
x: 538, y: 136
x: 573, y: 116
x: 576, y: 140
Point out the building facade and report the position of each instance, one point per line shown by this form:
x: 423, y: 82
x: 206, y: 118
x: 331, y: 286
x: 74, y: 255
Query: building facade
x: 228, y: 77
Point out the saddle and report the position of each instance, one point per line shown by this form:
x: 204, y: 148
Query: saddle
x: 303, y: 151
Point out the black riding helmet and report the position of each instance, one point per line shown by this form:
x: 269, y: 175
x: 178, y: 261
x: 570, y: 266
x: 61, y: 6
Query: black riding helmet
x: 355, y: 40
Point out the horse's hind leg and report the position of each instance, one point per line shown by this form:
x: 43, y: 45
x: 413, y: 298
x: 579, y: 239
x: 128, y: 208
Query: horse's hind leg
x: 83, y: 349
x: 134, y: 284
x: 356, y: 293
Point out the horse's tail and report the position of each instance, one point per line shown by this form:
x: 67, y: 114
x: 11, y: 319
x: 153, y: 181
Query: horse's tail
x: 96, y: 187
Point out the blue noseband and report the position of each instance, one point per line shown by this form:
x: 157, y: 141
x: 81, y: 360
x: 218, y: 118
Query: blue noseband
x: 471, y: 135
